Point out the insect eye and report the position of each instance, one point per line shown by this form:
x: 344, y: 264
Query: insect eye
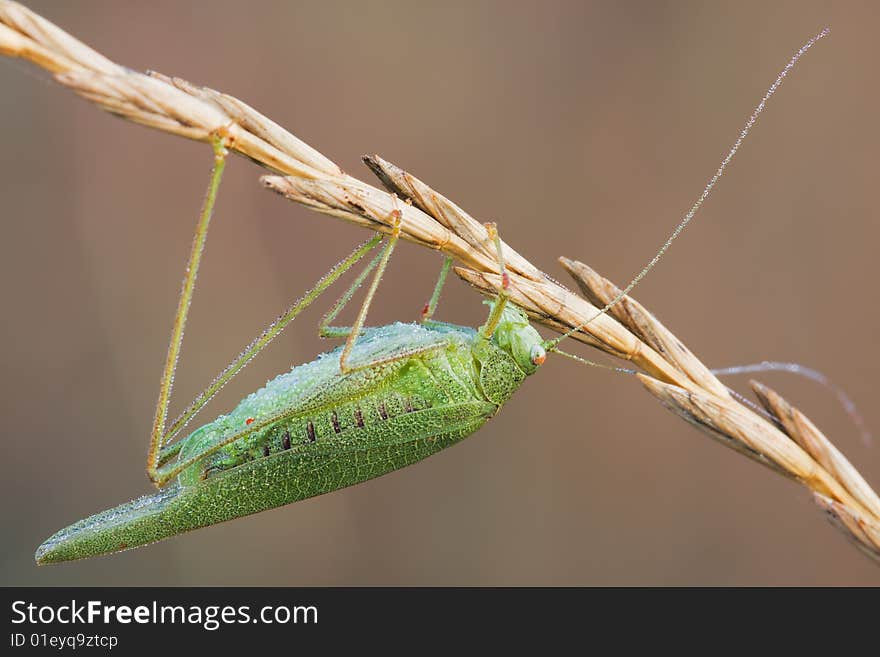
x: 538, y: 355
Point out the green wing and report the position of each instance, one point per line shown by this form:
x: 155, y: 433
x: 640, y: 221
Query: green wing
x: 266, y: 483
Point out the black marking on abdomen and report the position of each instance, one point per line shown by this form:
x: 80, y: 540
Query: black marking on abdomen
x: 383, y: 412
x: 358, y: 417
x: 285, y: 441
x: 408, y: 405
x: 266, y: 449
x: 310, y: 428
x: 335, y: 419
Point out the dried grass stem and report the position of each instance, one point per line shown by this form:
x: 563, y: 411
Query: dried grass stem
x: 671, y: 372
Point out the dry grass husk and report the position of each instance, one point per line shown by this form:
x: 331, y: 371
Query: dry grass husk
x: 784, y: 440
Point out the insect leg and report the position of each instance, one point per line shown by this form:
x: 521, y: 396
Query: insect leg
x: 253, y: 349
x: 362, y: 314
x: 401, y: 355
x: 487, y: 329
x: 431, y: 306
x: 327, y: 331
x: 324, y: 328
x: 157, y: 434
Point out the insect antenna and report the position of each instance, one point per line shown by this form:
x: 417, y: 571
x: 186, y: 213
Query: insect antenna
x: 707, y: 190
x: 591, y: 363
x: 849, y: 406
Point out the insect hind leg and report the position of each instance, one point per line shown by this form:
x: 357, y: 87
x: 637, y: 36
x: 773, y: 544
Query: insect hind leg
x: 162, y: 473
x: 158, y: 437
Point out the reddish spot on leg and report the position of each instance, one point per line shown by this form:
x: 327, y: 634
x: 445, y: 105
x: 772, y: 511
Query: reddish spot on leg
x: 250, y: 420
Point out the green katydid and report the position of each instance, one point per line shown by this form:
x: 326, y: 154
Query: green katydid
x: 389, y: 397
x: 392, y: 395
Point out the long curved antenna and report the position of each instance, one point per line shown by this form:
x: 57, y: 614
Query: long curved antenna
x: 814, y: 375
x: 707, y: 190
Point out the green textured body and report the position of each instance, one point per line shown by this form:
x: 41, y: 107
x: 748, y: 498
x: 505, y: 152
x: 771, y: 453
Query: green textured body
x: 438, y: 384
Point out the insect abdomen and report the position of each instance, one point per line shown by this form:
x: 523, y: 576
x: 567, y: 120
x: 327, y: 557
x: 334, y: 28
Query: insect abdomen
x: 266, y: 483
x: 450, y: 380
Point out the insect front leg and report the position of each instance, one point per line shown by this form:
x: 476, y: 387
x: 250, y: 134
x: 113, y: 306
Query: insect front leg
x: 488, y: 329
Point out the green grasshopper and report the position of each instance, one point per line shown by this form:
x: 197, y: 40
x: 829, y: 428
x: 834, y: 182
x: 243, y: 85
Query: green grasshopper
x: 391, y: 396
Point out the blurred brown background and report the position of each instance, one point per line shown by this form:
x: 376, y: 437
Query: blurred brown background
x: 585, y: 129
